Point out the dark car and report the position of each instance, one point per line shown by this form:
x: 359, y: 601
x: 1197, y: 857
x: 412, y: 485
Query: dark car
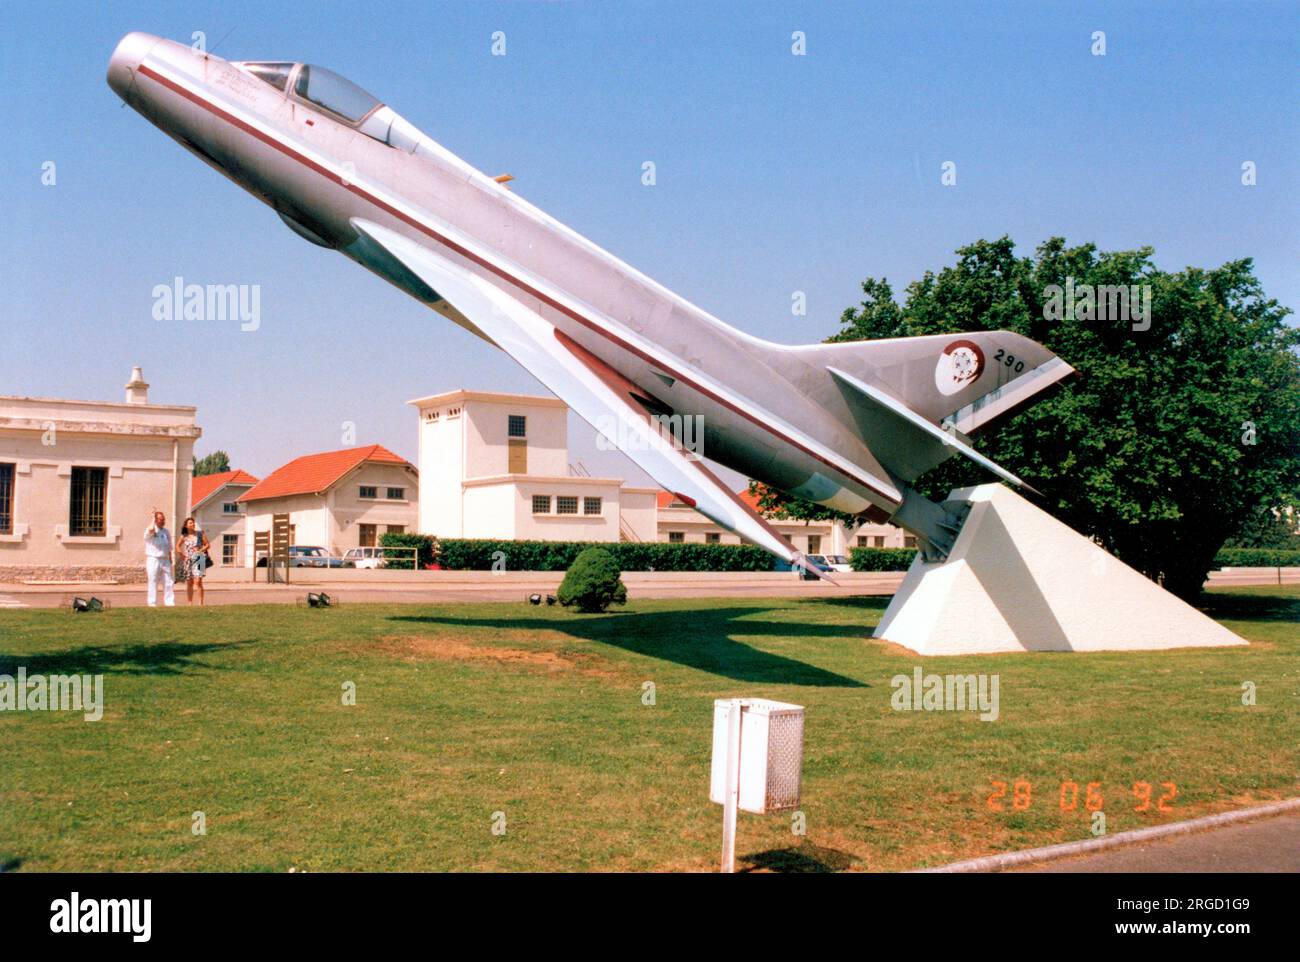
x: 310, y: 556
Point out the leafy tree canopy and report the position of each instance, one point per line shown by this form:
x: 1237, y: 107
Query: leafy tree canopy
x: 214, y: 463
x: 1172, y: 440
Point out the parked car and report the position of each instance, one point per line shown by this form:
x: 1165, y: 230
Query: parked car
x: 308, y: 556
x: 365, y: 558
x: 311, y: 556
x: 837, y: 562
x: 810, y: 561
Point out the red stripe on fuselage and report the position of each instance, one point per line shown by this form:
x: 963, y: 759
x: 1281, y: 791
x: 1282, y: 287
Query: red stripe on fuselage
x: 499, y: 272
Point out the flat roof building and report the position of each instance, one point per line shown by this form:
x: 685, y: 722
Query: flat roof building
x: 79, y: 481
x: 497, y: 466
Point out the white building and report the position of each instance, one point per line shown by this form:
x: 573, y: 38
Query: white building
x: 678, y: 522
x: 214, y: 502
x: 497, y: 466
x: 80, y: 480
x: 335, y: 500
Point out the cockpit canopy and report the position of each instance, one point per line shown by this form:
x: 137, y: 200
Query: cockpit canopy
x: 338, y: 96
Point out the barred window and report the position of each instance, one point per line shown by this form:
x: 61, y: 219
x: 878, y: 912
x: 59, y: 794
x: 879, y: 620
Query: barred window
x: 814, y: 543
x: 591, y: 505
x: 229, y: 549
x: 712, y: 537
x: 396, y: 494
x: 6, y: 499
x: 862, y: 541
x: 676, y: 537
x: 541, y: 504
x: 230, y: 507
x: 89, y: 502
x: 564, y: 504
x: 517, y: 426
x: 369, y: 491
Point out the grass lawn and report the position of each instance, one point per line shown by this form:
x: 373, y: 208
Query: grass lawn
x: 466, y: 710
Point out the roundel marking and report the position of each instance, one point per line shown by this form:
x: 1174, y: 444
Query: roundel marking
x: 960, y: 365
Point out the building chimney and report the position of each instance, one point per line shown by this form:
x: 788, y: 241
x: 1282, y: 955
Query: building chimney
x: 137, y: 392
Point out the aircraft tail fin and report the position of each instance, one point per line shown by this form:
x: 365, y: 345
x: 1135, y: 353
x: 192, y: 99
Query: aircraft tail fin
x: 927, y: 392
x: 964, y: 381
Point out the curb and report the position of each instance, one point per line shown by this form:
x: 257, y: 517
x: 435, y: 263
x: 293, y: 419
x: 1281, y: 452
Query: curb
x: 995, y: 863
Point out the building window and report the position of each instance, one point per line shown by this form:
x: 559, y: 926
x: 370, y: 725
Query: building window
x: 879, y: 540
x: 676, y: 537
x: 230, y: 507
x: 591, y: 505
x: 6, y: 499
x: 565, y: 504
x: 518, y: 426
x: 909, y: 541
x: 712, y: 537
x: 814, y: 544
x: 396, y: 494
x: 541, y: 504
x: 369, y: 491
x: 368, y: 535
x: 395, y: 529
x: 89, y: 500
x: 230, y: 549
x: 862, y: 541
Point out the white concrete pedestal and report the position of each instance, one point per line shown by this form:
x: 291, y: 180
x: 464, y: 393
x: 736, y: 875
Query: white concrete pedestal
x: 1019, y: 580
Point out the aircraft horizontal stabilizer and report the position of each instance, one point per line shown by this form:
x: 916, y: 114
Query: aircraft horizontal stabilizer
x: 883, y: 415
x: 598, y: 393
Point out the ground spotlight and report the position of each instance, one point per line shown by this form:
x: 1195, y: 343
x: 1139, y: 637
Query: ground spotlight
x: 82, y: 605
x: 534, y: 599
x: 550, y: 599
x: 319, y: 600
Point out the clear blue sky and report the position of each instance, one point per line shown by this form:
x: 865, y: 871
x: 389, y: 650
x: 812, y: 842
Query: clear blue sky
x: 775, y: 173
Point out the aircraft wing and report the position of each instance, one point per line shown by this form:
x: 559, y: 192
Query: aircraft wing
x: 598, y: 393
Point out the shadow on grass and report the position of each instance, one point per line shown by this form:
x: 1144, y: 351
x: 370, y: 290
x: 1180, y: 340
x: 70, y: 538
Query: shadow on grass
x: 10, y: 864
x: 699, y: 639
x: 799, y: 859
x: 864, y: 602
x: 151, y: 658
x: 1239, y: 607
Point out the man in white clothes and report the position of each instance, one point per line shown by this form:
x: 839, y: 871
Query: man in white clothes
x: 158, y: 560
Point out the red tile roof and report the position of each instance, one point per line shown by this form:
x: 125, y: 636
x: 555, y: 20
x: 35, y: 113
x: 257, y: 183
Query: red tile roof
x: 204, y: 487
x: 316, y: 473
x: 664, y: 498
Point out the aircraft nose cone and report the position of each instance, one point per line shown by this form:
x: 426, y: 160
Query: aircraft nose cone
x: 122, y: 65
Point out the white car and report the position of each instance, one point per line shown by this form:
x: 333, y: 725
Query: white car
x: 834, y: 562
x: 366, y: 557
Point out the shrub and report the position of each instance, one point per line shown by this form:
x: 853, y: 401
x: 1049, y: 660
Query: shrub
x: 881, y: 559
x: 426, y: 549
x: 592, y: 582
x: 478, y: 554
x: 1256, y: 558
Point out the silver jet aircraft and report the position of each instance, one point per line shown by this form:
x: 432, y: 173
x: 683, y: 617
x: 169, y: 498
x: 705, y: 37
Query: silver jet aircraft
x: 848, y: 425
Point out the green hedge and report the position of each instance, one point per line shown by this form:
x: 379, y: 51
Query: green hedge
x: 427, y: 549
x: 480, y: 554
x: 1256, y: 558
x: 881, y: 559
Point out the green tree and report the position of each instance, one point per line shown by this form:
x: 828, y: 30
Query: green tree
x: 1171, y: 440
x: 593, y: 582
x: 215, y: 463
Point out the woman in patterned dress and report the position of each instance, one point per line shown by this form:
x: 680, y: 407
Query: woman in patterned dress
x: 192, y: 558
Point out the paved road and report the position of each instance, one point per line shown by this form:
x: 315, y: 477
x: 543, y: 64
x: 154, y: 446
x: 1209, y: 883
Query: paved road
x: 1265, y: 845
